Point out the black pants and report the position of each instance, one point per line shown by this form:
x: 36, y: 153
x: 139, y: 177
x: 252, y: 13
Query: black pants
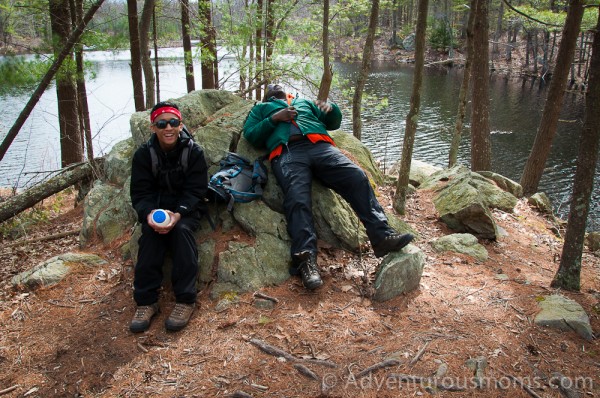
x: 181, y: 243
x: 294, y: 170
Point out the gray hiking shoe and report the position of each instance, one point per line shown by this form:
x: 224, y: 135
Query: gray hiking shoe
x: 180, y: 316
x: 142, y: 317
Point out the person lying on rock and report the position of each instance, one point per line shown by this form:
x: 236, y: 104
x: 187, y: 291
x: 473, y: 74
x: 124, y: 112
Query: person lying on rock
x: 168, y: 172
x: 294, y: 131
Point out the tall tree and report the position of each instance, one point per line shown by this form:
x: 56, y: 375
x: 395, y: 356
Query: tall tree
x: 364, y: 71
x: 568, y: 274
x: 136, y: 61
x: 258, y: 43
x: 82, y: 101
x: 327, y: 70
x: 144, y: 29
x: 66, y: 92
x: 47, y: 79
x: 208, y: 41
x: 187, y: 45
x: 534, y: 167
x: 481, y: 148
x: 464, y: 90
x: 413, y: 113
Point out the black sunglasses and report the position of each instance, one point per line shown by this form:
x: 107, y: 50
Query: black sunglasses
x: 162, y: 124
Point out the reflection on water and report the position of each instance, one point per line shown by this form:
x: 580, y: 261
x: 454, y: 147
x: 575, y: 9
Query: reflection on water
x: 516, y: 107
x: 515, y: 104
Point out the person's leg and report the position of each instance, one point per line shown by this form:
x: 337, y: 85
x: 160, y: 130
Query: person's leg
x: 292, y: 171
x: 148, y: 269
x: 339, y: 173
x: 147, y: 278
x: 184, y: 252
x: 184, y: 275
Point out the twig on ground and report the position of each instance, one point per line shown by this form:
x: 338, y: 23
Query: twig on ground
x: 141, y: 347
x: 418, y: 355
x: 306, y: 371
x: 44, y: 238
x: 322, y: 362
x: 271, y: 350
x: 58, y: 304
x: 9, y: 389
x: 377, y: 366
x: 264, y: 296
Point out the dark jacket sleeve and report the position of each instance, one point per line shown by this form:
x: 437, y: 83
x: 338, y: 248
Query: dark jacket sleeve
x: 196, y: 184
x: 144, y: 190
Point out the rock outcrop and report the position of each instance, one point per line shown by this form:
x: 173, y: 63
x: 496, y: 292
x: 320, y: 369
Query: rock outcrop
x: 250, y: 246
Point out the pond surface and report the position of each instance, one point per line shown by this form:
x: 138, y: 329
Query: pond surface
x: 516, y: 107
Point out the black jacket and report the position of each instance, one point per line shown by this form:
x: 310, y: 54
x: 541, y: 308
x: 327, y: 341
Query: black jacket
x: 172, y: 188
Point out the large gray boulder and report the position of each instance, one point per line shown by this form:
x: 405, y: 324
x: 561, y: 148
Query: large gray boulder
x: 399, y: 272
x: 53, y: 270
x: 464, y: 199
x: 559, y: 312
x: 250, y: 247
x: 461, y: 243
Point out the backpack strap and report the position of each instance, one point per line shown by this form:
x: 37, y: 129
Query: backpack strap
x: 259, y: 174
x: 154, y: 159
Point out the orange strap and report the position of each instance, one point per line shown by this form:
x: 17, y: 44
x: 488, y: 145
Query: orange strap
x: 314, y: 138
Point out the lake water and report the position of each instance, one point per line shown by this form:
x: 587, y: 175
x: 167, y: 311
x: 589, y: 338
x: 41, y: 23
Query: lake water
x: 516, y: 107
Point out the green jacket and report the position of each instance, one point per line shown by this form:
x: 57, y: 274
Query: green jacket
x: 262, y: 132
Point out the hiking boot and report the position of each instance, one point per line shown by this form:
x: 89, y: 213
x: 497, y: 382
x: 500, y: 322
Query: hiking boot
x: 309, y: 271
x: 180, y: 316
x: 142, y: 318
x: 392, y: 243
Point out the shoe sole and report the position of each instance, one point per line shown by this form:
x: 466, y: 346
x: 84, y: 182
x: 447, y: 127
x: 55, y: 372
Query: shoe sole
x: 172, y: 328
x: 401, y: 246
x: 314, y: 285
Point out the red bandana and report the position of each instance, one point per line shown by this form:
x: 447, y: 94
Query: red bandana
x: 164, y: 109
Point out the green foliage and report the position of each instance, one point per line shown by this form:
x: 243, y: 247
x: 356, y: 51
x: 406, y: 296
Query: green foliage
x: 590, y: 18
x: 441, y: 34
x: 18, y: 73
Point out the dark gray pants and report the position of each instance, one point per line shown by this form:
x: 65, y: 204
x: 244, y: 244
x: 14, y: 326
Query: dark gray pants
x: 181, y: 243
x: 294, y: 170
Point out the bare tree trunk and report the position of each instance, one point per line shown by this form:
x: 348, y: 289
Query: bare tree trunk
x: 364, y: 71
x: 84, y: 110
x: 481, y: 148
x: 464, y: 90
x: 47, y: 79
x: 327, y: 70
x: 413, y: 113
x: 568, y: 274
x: 534, y: 167
x: 71, y: 145
x: 155, y: 41
x: 259, y: 35
x: 269, y: 39
x: 134, y: 50
x: 187, y: 46
x: 144, y: 29
x: 498, y: 33
x: 67, y: 177
x: 208, y: 46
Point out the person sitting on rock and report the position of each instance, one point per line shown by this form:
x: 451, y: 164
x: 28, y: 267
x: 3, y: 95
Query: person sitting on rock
x: 294, y: 131
x: 168, y: 172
